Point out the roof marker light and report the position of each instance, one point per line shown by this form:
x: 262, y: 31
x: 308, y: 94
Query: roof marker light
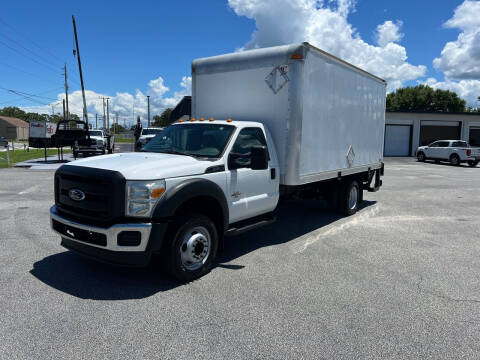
x: 211, y: 119
x: 180, y: 120
x: 201, y: 119
x: 296, y: 56
x: 192, y: 119
x: 229, y: 120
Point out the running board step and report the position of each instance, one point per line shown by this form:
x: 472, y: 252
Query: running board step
x: 250, y: 224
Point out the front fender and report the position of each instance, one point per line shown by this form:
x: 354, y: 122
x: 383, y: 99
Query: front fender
x: 188, y: 190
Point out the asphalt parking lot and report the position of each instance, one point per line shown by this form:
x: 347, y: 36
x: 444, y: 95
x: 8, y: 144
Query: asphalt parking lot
x: 397, y: 280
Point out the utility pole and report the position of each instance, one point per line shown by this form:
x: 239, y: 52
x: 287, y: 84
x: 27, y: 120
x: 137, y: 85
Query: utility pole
x: 66, y: 92
x: 148, y: 100
x: 133, y: 112
x: 108, y: 117
x: 103, y: 118
x: 96, y: 121
x: 85, y: 114
x: 64, y: 114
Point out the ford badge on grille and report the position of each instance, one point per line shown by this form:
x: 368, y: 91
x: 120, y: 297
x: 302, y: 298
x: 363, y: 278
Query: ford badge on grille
x: 76, y: 195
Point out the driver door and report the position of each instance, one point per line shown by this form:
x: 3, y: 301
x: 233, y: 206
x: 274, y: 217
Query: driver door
x: 251, y: 192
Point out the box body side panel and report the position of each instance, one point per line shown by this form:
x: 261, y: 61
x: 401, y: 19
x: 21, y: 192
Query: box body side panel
x: 342, y: 109
x: 243, y: 95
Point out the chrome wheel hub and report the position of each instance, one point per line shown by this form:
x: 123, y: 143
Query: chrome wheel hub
x: 352, y: 198
x: 195, y: 248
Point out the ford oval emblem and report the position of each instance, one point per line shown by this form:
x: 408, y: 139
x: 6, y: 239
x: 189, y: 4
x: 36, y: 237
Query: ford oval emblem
x: 76, y: 195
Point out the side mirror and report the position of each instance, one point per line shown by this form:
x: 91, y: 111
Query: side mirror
x: 259, y: 158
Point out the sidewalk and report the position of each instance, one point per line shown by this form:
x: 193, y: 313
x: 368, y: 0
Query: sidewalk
x: 40, y: 164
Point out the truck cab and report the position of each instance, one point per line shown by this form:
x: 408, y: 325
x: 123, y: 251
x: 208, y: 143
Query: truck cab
x: 188, y: 185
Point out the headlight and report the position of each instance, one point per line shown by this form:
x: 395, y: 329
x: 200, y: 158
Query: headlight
x: 142, y: 196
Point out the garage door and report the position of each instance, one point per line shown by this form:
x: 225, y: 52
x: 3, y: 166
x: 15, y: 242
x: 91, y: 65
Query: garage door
x: 397, y: 140
x: 475, y: 136
x: 431, y: 131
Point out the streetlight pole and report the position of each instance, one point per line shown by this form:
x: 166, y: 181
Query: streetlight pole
x: 148, y: 101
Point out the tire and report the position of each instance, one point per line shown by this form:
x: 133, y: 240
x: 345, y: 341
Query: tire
x: 472, y: 163
x: 455, y: 160
x: 349, y: 197
x: 103, y: 151
x: 192, y: 248
x: 421, y: 156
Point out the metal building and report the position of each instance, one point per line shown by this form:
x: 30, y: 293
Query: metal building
x: 405, y: 131
x: 13, y: 128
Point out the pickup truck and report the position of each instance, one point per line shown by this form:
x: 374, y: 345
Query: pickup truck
x: 204, y: 178
x: 146, y: 135
x: 99, y: 144
x: 453, y: 151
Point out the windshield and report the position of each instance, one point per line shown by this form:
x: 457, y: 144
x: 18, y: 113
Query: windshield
x: 95, y: 133
x: 151, y: 131
x: 202, y: 140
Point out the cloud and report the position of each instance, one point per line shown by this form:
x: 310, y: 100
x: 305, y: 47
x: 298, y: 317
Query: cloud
x: 125, y: 104
x: 324, y: 24
x: 388, y: 32
x: 468, y: 90
x: 460, y: 59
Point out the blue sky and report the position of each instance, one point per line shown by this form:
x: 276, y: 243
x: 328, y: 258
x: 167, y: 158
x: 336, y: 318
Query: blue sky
x: 125, y: 45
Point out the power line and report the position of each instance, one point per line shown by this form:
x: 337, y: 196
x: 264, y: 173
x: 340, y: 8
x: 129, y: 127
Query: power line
x: 29, y: 96
x: 28, y: 73
x: 26, y: 37
x: 40, y: 57
x: 29, y: 57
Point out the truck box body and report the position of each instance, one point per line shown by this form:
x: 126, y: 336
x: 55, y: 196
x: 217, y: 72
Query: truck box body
x: 325, y: 115
x: 40, y: 134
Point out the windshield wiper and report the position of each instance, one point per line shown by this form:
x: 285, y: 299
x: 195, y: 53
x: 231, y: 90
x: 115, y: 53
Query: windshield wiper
x: 178, y: 153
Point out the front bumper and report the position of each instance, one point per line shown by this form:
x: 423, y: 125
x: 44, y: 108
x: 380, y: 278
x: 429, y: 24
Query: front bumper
x: 102, y: 244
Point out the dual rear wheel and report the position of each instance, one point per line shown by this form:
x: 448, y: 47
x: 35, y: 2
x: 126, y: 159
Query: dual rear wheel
x: 347, y: 197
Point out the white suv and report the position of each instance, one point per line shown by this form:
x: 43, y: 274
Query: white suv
x: 454, y: 151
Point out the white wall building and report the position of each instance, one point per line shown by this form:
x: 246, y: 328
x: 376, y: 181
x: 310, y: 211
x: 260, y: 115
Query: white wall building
x: 405, y: 131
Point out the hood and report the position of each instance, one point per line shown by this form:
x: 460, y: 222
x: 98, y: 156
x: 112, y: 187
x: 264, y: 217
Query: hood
x: 148, y: 166
x: 96, y: 138
x: 148, y: 136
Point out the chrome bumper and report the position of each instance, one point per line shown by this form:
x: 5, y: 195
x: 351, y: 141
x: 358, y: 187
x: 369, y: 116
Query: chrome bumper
x: 110, y: 233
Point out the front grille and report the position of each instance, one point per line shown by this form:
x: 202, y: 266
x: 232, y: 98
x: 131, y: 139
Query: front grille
x: 72, y: 232
x: 104, y: 194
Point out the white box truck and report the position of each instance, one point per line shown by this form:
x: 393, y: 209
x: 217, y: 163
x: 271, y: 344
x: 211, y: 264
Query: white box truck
x: 267, y: 124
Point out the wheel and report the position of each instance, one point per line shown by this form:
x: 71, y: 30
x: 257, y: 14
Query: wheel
x: 472, y: 163
x: 454, y: 159
x: 421, y: 156
x: 193, y: 247
x: 103, y: 151
x: 349, y: 198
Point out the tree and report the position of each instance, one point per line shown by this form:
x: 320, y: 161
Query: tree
x: 163, y: 119
x: 117, y: 129
x: 13, y: 111
x: 424, y: 98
